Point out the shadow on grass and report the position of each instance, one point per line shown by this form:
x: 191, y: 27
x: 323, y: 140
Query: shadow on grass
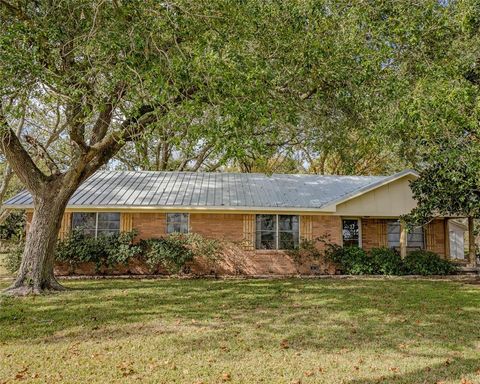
x: 312, y: 314
x: 456, y: 371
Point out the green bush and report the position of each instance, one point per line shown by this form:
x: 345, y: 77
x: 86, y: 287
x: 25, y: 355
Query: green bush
x: 199, y: 245
x: 174, y: 251
x: 170, y: 253
x: 427, y: 263
x: 13, y: 228
x: 387, y: 261
x: 104, y: 251
x: 352, y: 260
x: 13, y: 258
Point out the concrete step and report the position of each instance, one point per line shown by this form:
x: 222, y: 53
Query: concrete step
x: 469, y: 270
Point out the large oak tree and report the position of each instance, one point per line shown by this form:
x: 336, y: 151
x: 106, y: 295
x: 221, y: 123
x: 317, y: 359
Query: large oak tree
x: 115, y: 71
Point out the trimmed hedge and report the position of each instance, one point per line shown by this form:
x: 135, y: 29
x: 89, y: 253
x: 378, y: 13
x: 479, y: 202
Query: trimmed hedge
x: 385, y: 261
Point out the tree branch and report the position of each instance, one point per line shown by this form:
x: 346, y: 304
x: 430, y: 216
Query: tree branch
x: 19, y: 159
x: 43, y: 154
x: 105, y: 117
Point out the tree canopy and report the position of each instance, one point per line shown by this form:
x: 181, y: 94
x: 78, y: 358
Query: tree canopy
x: 363, y: 87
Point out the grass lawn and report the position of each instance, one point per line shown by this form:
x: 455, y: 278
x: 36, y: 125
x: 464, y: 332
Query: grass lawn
x: 244, y: 331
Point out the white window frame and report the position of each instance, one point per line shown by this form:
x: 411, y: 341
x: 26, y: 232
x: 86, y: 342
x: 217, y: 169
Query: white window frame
x: 173, y: 213
x: 277, y: 231
x: 359, y: 221
x: 96, y: 221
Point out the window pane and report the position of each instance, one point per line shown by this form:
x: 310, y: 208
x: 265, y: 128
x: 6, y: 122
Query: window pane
x: 177, y: 222
x: 415, y: 238
x: 184, y: 218
x: 288, y: 232
x: 108, y: 223
x: 393, y: 234
x: 351, y: 233
x: 266, y: 232
x: 287, y: 223
x: 266, y: 222
x: 288, y: 240
x: 266, y: 240
x: 84, y: 221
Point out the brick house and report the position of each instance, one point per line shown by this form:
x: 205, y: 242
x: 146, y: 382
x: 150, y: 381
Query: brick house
x: 263, y: 215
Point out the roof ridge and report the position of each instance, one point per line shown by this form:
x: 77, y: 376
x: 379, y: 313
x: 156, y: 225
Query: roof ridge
x: 239, y: 173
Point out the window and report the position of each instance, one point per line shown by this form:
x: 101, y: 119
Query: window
x: 393, y: 234
x: 266, y: 232
x: 351, y: 233
x: 87, y: 222
x: 288, y: 232
x: 277, y: 231
x: 96, y: 223
x: 457, y: 244
x: 415, y: 238
x: 177, y: 222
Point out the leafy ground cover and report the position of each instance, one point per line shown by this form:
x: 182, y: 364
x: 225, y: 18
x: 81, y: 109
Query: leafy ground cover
x: 354, y: 331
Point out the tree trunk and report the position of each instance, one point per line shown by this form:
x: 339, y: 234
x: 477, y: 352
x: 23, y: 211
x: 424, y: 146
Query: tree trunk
x: 35, y: 275
x: 472, y: 254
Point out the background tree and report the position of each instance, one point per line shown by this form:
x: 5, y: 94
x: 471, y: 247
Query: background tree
x: 435, y: 117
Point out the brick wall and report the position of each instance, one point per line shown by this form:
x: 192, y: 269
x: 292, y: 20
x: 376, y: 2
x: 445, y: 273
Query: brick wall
x: 328, y: 228
x: 374, y: 233
x: 239, y: 260
x: 149, y: 225
x: 219, y: 226
x: 435, y: 237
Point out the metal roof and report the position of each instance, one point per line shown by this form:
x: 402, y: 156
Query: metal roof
x: 130, y: 189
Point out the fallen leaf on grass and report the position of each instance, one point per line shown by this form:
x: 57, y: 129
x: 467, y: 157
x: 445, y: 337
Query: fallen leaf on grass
x: 226, y: 377
x: 21, y: 374
x: 309, y: 373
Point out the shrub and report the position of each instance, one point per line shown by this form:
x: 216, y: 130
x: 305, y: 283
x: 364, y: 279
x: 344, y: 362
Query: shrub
x: 170, y: 253
x: 307, y: 250
x: 352, y: 260
x: 13, y: 228
x: 386, y: 261
x: 13, y: 258
x: 427, y: 263
x: 104, y: 251
x: 199, y: 245
x: 175, y: 250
